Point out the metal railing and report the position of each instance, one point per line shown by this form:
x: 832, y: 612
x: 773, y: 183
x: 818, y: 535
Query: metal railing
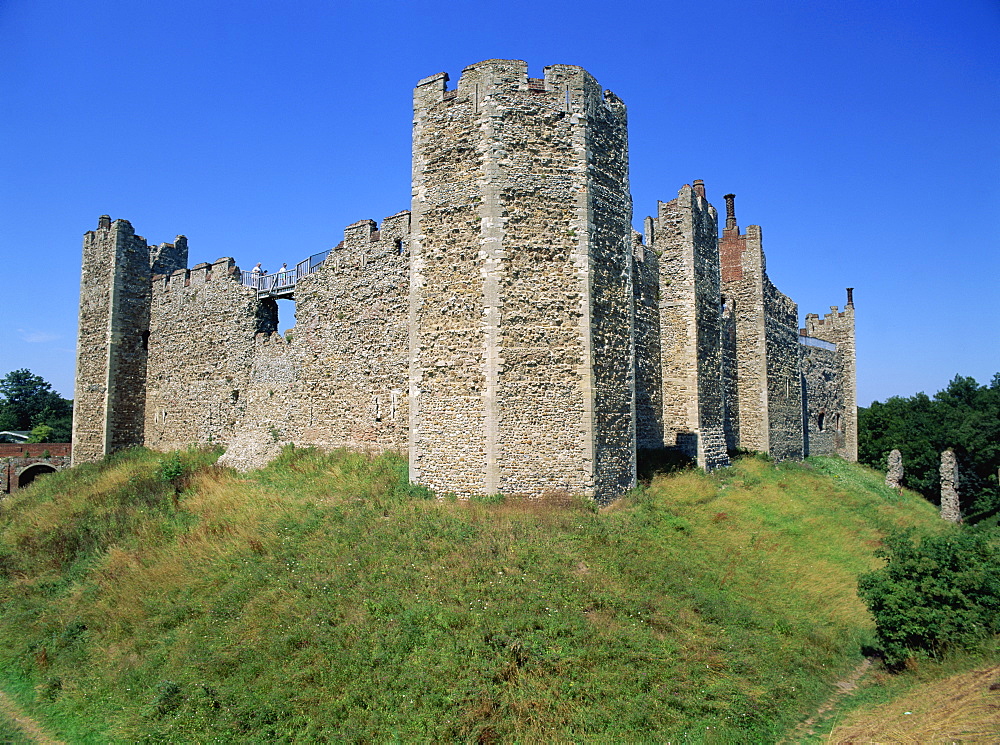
x: 282, y: 283
x: 812, y: 341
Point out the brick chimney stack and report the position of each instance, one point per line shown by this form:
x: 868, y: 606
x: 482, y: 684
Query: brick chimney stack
x: 730, y: 211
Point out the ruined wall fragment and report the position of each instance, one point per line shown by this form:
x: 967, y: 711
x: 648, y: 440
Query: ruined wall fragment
x: 950, y: 509
x: 894, y: 474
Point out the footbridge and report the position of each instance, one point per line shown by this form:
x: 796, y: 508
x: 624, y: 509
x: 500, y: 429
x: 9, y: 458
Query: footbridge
x: 281, y: 285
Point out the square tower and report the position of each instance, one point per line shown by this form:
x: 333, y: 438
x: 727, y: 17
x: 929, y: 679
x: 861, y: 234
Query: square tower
x: 837, y: 327
x: 766, y: 376
x: 521, y: 359
x: 684, y: 235
x: 115, y: 289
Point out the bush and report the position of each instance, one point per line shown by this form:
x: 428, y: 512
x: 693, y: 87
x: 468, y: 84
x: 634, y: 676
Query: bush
x: 941, y: 592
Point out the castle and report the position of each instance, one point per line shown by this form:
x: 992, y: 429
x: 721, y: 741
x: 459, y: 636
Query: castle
x: 511, y: 331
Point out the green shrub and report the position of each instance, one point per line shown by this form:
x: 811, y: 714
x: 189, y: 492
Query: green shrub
x: 171, y: 468
x: 940, y: 593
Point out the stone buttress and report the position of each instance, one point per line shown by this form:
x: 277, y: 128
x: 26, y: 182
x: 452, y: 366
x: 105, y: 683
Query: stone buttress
x: 521, y: 373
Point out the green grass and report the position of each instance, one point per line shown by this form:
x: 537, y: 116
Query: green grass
x: 11, y: 734
x: 157, y: 598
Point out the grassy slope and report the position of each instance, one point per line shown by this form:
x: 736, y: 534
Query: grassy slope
x: 962, y: 707
x: 322, y: 598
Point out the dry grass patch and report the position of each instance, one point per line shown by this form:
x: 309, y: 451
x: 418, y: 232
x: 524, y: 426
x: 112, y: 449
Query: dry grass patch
x: 963, y: 708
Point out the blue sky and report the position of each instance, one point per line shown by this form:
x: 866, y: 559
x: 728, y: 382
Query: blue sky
x: 862, y: 136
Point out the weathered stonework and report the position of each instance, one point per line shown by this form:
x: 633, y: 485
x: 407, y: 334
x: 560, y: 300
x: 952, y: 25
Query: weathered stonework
x: 109, y: 401
x: 950, y: 510
x: 822, y: 398
x: 768, y: 381
x: 646, y: 324
x: 218, y: 367
x: 512, y: 332
x: 521, y: 313
x: 684, y: 235
x: 894, y: 476
x: 837, y: 327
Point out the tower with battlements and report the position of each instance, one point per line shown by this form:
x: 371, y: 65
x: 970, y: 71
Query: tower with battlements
x: 115, y: 286
x: 837, y: 329
x: 684, y: 235
x: 511, y: 331
x: 520, y: 296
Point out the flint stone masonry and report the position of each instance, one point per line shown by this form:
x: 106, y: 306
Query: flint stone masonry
x: 837, y: 328
x: 513, y: 333
x: 949, y: 487
x: 521, y: 374
x: 218, y: 367
x: 685, y: 236
x: 822, y: 399
x: 894, y: 476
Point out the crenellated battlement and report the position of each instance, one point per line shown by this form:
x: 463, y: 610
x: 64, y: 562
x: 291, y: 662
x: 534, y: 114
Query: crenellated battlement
x: 566, y: 88
x: 221, y: 269
x: 510, y: 330
x: 367, y: 244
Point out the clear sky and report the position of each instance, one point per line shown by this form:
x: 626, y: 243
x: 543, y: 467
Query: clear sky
x: 862, y: 135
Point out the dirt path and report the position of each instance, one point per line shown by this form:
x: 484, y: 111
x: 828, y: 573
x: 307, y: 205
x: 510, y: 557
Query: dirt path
x: 29, y: 726
x: 843, y: 687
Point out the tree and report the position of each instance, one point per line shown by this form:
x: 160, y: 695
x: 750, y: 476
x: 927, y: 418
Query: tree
x: 965, y: 416
x: 28, y: 401
x: 42, y: 433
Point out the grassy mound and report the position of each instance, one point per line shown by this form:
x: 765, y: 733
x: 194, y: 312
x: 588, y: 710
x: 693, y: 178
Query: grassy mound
x: 160, y: 598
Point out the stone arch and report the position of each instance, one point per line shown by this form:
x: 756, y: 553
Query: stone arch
x: 28, y: 474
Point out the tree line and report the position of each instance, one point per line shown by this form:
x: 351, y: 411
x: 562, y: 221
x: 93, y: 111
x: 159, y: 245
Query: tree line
x: 28, y: 403
x: 965, y: 416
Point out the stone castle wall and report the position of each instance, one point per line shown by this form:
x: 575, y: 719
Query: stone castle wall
x: 837, y: 327
x: 646, y: 328
x: 202, y: 331
x: 513, y: 332
x: 822, y: 400
x: 350, y: 342
x: 217, y: 365
x: 784, y: 382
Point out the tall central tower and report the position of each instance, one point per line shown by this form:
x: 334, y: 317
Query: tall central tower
x: 521, y: 374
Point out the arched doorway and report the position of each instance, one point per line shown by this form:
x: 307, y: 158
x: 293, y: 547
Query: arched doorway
x: 32, y: 472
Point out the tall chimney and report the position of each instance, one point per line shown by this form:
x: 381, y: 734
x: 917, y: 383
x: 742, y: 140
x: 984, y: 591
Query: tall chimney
x: 730, y: 211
